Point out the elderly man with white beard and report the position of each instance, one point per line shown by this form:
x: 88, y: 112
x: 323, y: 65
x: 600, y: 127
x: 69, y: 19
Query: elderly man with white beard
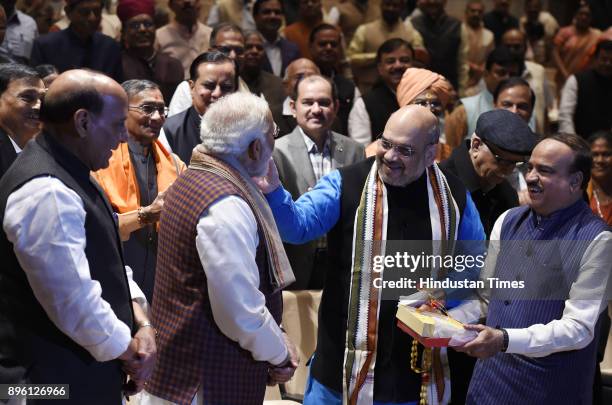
x: 220, y: 268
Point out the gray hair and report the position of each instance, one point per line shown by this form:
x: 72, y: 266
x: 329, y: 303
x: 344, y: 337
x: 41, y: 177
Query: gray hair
x: 233, y: 122
x: 136, y: 86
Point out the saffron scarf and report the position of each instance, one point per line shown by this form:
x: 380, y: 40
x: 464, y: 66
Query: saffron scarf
x: 281, y: 274
x: 369, y: 236
x: 119, y: 182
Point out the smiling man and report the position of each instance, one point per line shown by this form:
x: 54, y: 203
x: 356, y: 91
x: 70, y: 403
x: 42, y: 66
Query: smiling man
x: 21, y: 91
x: 545, y: 345
x: 139, y: 173
x: 212, y: 75
x: 308, y: 153
x: 63, y: 269
x: 370, y: 113
x: 501, y: 141
x: 342, y: 204
x: 139, y: 57
x: 279, y: 51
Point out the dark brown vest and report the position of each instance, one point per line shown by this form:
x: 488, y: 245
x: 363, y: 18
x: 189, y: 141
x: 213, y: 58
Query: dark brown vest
x: 191, y: 348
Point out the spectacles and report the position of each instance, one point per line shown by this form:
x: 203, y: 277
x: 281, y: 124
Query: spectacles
x: 429, y: 104
x: 254, y: 46
x: 134, y: 25
x: 149, y: 110
x: 404, y: 150
x: 502, y: 160
x: 227, y: 49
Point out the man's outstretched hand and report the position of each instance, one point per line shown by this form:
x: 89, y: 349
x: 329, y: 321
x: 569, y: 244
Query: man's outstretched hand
x: 270, y: 181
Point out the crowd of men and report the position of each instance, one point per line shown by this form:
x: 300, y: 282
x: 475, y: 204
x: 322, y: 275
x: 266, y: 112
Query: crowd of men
x: 164, y: 179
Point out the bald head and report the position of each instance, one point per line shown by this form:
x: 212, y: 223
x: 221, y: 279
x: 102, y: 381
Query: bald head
x: 414, y: 119
x: 408, y: 145
x: 296, y: 70
x: 78, y: 89
x: 85, y: 111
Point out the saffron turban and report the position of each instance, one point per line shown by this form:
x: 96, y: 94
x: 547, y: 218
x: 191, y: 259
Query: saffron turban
x: 127, y: 9
x: 415, y: 81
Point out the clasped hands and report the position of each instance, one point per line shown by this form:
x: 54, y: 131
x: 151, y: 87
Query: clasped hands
x: 138, y: 361
x: 283, y: 372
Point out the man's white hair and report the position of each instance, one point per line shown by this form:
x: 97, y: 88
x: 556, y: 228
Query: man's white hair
x: 233, y: 122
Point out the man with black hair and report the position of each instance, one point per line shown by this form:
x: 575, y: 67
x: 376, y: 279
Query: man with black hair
x: 325, y: 43
x: 80, y: 45
x: 543, y: 337
x: 212, y: 75
x: 70, y: 313
x: 296, y: 70
x: 261, y: 82
x: 309, y: 152
x: 515, y: 95
x: 461, y: 123
x: 585, y: 98
x: 535, y: 74
x: 21, y: 91
x: 370, y: 113
x: 226, y: 38
x: 279, y: 52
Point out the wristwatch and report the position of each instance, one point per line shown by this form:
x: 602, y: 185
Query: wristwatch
x: 506, y: 340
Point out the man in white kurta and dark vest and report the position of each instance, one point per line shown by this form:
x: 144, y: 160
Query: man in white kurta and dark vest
x: 220, y: 268
x: 67, y: 309
x: 370, y: 112
x: 539, y: 344
x: 399, y: 195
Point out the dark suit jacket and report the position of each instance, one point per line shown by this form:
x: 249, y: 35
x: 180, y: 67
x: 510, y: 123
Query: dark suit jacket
x: 7, y: 152
x: 289, y: 53
x: 297, y: 176
x: 272, y: 89
x: 65, y: 51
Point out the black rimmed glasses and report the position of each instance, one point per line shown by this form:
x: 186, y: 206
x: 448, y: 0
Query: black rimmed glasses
x: 227, y: 49
x: 150, y: 109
